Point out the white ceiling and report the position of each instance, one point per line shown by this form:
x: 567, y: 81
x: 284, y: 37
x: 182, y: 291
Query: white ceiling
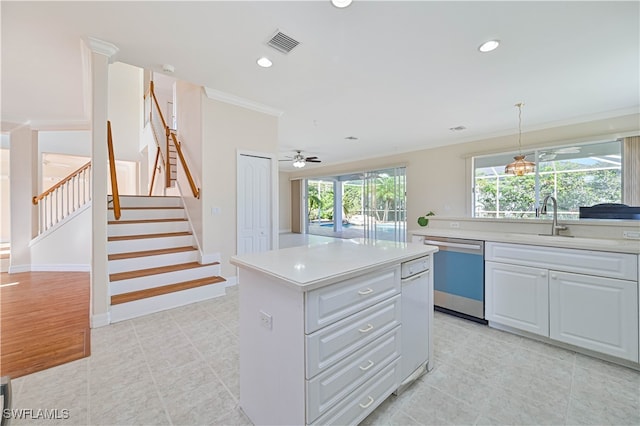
x: 397, y: 75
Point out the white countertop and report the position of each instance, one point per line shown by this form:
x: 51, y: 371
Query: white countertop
x: 598, y: 244
x: 313, y: 266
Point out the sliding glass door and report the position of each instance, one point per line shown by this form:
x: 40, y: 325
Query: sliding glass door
x: 384, y: 204
x: 371, y: 205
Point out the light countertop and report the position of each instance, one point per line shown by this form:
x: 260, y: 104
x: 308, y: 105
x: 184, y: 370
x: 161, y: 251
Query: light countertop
x: 598, y: 244
x: 313, y: 266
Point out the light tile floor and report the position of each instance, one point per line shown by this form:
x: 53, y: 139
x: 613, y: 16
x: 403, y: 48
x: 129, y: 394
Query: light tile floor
x: 180, y: 367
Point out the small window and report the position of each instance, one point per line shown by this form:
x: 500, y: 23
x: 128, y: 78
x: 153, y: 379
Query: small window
x: 577, y: 175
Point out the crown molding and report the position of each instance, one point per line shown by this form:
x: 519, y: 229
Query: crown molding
x: 102, y: 47
x: 241, y: 102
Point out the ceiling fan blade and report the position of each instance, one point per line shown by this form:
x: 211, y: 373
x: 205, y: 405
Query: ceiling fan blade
x: 311, y: 158
x: 313, y: 161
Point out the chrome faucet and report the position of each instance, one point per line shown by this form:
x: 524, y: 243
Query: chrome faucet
x: 555, y: 228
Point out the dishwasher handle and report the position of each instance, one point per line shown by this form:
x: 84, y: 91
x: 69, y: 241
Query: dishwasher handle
x: 414, y: 277
x: 475, y: 247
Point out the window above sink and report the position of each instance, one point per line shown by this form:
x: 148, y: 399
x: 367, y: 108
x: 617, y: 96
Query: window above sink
x: 576, y: 175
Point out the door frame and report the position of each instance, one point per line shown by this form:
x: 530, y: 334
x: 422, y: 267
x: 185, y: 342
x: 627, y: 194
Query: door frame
x: 273, y: 194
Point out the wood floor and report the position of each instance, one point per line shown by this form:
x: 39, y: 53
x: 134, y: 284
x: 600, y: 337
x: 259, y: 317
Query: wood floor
x: 44, y: 320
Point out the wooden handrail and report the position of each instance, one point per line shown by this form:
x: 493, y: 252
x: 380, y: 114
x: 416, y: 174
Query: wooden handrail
x: 155, y: 169
x: 170, y: 136
x: 112, y: 169
x: 73, y: 174
x: 192, y: 184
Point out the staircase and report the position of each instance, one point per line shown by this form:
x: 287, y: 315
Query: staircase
x: 153, y: 261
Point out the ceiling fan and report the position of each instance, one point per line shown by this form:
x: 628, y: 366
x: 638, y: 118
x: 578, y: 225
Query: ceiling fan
x: 300, y: 160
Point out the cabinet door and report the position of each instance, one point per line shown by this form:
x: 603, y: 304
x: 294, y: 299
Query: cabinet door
x: 517, y: 296
x: 595, y: 313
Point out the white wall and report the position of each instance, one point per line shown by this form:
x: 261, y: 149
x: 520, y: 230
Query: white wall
x: 125, y: 110
x: 438, y: 179
x: 189, y: 97
x: 227, y: 129
x: 67, y: 248
x: 23, y: 186
x: 284, y: 202
x: 5, y: 210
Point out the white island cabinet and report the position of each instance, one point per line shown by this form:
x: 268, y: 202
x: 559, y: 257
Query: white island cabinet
x: 321, y: 330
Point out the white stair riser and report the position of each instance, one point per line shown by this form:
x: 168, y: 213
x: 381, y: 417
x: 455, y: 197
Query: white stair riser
x: 146, y: 262
x: 148, y: 214
x: 4, y: 265
x: 152, y: 281
x: 122, y: 229
x: 129, y: 246
x: 150, y: 305
x: 128, y: 201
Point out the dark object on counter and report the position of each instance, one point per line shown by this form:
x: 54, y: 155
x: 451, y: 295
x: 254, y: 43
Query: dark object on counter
x: 610, y: 211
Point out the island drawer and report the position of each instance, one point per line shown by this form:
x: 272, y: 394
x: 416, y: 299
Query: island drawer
x: 361, y: 402
x: 338, y: 381
x: 332, y: 303
x: 329, y: 345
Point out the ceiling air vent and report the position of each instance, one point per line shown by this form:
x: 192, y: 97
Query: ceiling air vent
x: 282, y: 42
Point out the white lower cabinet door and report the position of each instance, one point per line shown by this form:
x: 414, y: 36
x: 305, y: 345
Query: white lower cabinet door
x: 517, y: 296
x: 595, y: 313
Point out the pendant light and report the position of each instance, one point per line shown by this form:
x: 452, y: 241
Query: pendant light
x: 520, y: 166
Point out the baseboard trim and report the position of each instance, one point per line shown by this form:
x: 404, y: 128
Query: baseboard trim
x: 16, y: 269
x: 100, y: 320
x: 61, y: 268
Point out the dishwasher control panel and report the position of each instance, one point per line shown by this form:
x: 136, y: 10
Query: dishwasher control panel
x: 415, y: 266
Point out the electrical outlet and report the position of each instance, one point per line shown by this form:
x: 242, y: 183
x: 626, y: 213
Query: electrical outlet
x: 454, y: 224
x: 266, y: 320
x: 634, y: 235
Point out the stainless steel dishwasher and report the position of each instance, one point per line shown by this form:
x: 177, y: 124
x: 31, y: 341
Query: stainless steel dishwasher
x: 458, y: 277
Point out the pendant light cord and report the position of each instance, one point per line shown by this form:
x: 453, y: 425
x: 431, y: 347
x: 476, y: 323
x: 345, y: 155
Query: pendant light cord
x: 520, y: 105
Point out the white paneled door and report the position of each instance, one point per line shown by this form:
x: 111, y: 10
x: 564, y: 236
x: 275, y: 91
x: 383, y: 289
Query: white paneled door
x: 254, y: 204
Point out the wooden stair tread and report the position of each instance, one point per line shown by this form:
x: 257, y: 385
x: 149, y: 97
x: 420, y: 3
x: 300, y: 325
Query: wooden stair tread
x: 143, y: 236
x: 125, y: 222
x: 135, y: 254
x: 150, y: 208
x: 155, y: 271
x: 158, y: 291
x: 5, y: 255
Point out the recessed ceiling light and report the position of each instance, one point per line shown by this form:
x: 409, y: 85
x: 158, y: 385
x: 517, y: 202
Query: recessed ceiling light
x: 341, y: 3
x: 168, y: 68
x: 351, y: 138
x: 264, y: 62
x: 457, y: 128
x: 488, y: 46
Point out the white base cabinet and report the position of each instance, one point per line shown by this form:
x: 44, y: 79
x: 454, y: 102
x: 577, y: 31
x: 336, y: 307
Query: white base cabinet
x: 539, y: 290
x: 517, y: 296
x: 594, y: 313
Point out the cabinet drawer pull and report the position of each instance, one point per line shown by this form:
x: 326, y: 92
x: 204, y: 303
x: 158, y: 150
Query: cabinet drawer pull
x: 368, y: 403
x: 367, y: 329
x: 554, y: 277
x: 367, y: 367
x: 367, y: 291
x: 543, y: 274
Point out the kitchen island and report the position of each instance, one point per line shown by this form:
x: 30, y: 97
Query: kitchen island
x: 321, y: 328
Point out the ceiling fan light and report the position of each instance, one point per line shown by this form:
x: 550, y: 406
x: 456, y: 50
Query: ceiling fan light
x: 520, y: 166
x: 298, y: 163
